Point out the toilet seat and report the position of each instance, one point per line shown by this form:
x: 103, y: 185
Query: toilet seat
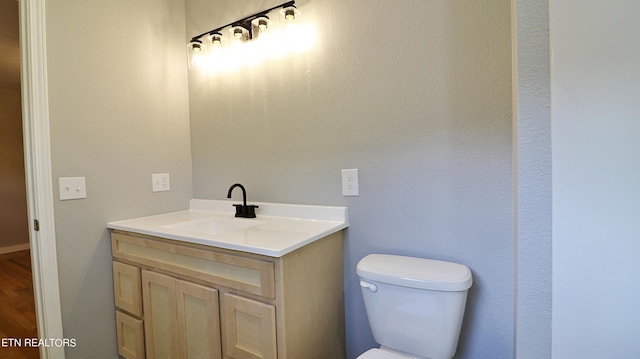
x: 381, y: 354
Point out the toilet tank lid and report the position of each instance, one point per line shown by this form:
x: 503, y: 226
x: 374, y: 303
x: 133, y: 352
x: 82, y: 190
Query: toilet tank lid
x: 415, y: 272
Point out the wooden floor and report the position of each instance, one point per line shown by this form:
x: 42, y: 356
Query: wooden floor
x: 17, y: 308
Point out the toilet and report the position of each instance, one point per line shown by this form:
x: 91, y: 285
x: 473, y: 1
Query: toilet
x: 415, y: 306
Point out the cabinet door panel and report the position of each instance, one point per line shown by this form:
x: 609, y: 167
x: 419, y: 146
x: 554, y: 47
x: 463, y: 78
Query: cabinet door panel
x: 198, y: 321
x: 250, y: 328
x: 130, y: 336
x: 126, y: 287
x: 160, y: 321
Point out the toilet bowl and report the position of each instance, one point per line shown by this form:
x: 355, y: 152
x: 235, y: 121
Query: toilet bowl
x: 415, y: 306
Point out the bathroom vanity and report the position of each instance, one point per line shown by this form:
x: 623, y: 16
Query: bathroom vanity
x: 203, y: 284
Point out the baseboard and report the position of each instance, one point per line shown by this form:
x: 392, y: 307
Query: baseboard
x: 14, y: 248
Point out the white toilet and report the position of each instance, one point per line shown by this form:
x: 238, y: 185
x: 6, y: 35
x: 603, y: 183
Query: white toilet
x: 415, y: 306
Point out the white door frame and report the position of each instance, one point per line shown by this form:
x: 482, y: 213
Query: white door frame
x: 35, y: 122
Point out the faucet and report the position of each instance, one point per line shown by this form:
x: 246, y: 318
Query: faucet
x: 242, y: 210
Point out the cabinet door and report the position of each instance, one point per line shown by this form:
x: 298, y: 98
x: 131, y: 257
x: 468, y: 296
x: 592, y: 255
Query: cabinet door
x: 160, y: 320
x: 130, y: 336
x: 198, y: 321
x: 126, y: 287
x: 249, y: 328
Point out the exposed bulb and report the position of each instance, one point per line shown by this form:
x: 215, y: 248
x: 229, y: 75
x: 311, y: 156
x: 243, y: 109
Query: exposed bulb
x: 262, y: 24
x: 237, y: 33
x: 196, y: 60
x: 216, y: 40
x: 289, y: 14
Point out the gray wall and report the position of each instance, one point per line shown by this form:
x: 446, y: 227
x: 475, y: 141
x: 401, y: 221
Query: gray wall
x: 532, y: 179
x: 118, y: 112
x: 417, y: 96
x: 595, y: 82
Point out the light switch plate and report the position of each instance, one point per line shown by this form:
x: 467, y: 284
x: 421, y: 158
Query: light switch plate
x: 72, y: 188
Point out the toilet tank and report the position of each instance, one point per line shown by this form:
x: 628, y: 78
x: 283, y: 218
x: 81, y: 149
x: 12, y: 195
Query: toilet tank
x: 415, y: 305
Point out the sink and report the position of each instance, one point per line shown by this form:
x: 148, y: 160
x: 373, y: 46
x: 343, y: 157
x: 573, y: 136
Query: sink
x: 214, y: 225
x: 278, y: 230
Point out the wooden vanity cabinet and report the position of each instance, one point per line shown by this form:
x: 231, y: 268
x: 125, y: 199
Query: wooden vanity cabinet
x: 183, y: 300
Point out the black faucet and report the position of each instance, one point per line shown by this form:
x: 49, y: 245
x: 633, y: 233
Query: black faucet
x: 242, y: 210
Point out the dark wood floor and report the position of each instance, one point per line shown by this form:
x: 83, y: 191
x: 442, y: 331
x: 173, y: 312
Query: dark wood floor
x: 17, y: 307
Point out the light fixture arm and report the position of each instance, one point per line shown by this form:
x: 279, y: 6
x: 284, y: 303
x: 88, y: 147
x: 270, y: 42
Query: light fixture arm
x: 244, y: 22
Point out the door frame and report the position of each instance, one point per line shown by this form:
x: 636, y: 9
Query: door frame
x: 35, y: 122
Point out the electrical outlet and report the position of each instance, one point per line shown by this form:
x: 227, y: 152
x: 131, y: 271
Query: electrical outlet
x: 160, y: 182
x: 350, y: 182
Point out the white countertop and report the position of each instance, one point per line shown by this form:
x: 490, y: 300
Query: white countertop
x: 277, y: 230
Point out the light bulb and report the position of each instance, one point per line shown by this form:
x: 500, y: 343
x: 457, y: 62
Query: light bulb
x: 289, y: 14
x: 237, y: 33
x: 196, y: 58
x: 196, y: 54
x: 262, y: 24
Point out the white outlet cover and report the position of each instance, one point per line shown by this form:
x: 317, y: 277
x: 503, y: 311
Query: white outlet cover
x: 72, y: 188
x: 350, y: 185
x: 160, y: 182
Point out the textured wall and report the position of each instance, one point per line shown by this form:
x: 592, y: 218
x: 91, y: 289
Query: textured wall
x: 119, y: 112
x: 417, y: 96
x: 13, y: 192
x: 532, y: 176
x: 595, y: 82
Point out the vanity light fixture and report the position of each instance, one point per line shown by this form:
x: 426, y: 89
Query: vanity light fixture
x: 248, y: 27
x: 230, y: 47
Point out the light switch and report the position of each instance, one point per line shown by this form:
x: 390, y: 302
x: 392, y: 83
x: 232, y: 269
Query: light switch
x: 72, y: 188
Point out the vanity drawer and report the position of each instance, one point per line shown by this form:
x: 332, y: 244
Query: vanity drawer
x: 126, y: 288
x: 249, y: 275
x: 130, y: 335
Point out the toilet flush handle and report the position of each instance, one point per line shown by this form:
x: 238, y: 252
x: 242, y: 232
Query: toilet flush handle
x: 372, y: 287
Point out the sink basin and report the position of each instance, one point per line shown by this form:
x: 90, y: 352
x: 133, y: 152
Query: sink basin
x: 214, y: 225
x: 278, y: 230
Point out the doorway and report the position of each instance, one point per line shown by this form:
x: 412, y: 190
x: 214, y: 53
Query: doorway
x: 37, y: 164
x: 17, y: 303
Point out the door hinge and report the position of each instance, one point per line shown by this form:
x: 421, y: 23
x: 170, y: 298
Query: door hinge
x: 36, y: 225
